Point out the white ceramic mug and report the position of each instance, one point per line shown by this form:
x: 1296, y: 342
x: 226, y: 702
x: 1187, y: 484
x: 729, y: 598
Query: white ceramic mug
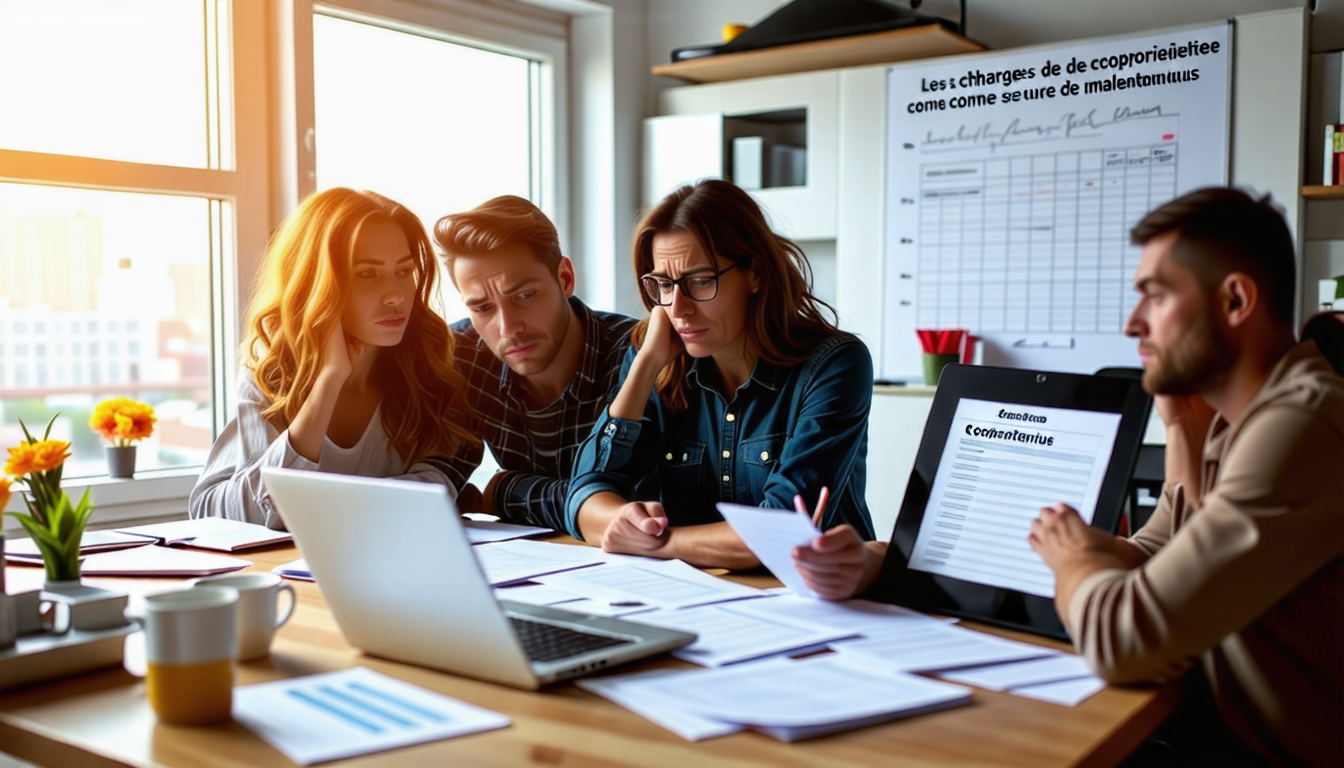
x: 258, y: 608
x: 191, y: 641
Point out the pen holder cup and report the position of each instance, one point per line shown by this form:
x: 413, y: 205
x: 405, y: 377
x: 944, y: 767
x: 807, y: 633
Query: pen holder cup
x: 934, y: 365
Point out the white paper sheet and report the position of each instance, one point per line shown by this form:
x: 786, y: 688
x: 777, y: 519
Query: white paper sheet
x: 509, y: 562
x: 294, y: 569
x: 771, y: 535
x: 806, y: 693
x: 859, y: 616
x: 728, y: 636
x: 1003, y: 677
x: 1068, y: 693
x: 485, y: 531
x: 216, y: 533
x: 668, y: 584
x: 352, y: 712
x: 156, y: 560
x: 535, y: 594
x: 602, y: 608
x: 934, y: 646
x: 625, y: 691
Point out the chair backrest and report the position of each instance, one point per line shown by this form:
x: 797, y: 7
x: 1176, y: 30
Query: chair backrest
x: 1327, y: 330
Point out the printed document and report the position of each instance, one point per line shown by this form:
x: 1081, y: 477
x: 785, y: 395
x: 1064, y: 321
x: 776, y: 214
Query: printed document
x: 796, y: 699
x: 1002, y: 462
x: 771, y: 535
x: 929, y: 647
x: 353, y: 712
x: 727, y: 635
x: 667, y: 584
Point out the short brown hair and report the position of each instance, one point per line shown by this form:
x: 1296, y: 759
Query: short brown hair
x: 494, y: 224
x: 1220, y: 230
x: 785, y: 320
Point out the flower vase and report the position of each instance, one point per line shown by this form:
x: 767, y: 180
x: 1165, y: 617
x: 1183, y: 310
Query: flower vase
x: 120, y: 461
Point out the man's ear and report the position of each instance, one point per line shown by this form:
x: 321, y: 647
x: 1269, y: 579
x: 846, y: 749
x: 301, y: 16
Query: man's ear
x: 565, y: 274
x: 1238, y: 298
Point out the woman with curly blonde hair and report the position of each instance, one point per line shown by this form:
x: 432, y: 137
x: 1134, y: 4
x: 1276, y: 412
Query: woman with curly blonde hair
x: 345, y: 366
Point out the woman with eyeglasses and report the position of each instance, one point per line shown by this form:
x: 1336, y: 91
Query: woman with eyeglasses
x: 738, y: 388
x: 346, y: 366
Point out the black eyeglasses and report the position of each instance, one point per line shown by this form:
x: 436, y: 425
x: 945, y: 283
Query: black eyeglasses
x: 699, y: 287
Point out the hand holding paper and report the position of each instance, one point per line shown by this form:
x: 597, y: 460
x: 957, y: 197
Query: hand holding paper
x: 771, y: 536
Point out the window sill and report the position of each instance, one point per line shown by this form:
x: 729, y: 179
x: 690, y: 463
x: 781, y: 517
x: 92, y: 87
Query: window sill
x: 151, y: 495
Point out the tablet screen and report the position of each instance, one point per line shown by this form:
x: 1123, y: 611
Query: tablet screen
x: 1001, y: 463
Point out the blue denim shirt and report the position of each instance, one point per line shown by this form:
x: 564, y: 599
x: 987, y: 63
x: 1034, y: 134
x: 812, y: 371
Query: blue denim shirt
x: 787, y: 430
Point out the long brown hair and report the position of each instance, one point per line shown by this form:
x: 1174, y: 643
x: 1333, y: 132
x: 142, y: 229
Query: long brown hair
x: 302, y: 288
x: 785, y: 320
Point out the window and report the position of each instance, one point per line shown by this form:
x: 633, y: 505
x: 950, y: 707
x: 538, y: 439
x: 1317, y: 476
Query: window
x: 140, y: 177
x: 469, y: 136
x: 137, y: 96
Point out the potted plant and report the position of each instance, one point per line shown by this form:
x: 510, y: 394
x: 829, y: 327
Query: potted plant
x: 55, y: 524
x: 121, y: 421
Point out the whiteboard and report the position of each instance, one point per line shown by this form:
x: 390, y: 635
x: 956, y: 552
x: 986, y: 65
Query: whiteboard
x: 1012, y: 182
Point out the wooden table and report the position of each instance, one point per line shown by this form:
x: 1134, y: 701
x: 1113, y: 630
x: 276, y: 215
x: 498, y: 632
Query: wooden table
x: 103, y: 719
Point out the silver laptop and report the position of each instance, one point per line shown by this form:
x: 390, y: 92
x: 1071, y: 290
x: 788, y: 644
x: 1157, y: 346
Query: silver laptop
x: 394, y: 564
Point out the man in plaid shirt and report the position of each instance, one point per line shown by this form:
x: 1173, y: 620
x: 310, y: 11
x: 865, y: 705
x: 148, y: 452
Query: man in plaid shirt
x: 539, y: 362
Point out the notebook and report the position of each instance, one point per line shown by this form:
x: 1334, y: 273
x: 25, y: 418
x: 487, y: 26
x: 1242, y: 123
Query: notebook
x: 394, y: 564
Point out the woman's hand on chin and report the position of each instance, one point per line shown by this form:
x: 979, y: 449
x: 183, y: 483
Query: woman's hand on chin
x: 661, y: 343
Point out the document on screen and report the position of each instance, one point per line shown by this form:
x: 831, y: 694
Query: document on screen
x: 1002, y: 462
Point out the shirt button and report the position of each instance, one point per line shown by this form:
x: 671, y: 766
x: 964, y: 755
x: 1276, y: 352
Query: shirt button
x: 669, y: 457
x: 727, y: 479
x: 683, y: 457
x: 611, y: 429
x: 727, y: 454
x: 765, y: 455
x: 729, y: 417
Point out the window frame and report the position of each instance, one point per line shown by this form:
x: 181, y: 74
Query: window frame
x: 272, y: 167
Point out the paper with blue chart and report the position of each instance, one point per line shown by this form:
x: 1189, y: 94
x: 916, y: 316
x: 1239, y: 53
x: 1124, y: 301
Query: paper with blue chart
x: 1013, y: 180
x: 352, y: 712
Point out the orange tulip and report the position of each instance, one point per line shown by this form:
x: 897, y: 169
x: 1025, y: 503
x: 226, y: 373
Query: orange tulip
x: 21, y: 459
x: 50, y: 454
x: 5, y: 493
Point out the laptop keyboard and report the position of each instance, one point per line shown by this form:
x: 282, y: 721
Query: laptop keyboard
x: 549, y: 642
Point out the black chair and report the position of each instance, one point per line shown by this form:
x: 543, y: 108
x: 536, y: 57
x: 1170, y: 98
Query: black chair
x: 1327, y: 330
x: 1145, y: 485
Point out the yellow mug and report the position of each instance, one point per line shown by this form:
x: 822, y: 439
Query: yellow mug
x: 191, y: 643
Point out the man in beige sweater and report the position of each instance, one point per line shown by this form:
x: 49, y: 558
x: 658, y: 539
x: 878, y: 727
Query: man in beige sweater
x: 1237, y: 580
x: 1241, y: 568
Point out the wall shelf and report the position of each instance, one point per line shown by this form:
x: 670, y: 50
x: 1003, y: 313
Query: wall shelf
x: 1320, y: 192
x: 888, y: 47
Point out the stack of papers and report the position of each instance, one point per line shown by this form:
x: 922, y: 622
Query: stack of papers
x: 728, y: 634
x: 666, y: 584
x: 25, y: 550
x: 1061, y: 679
x: 215, y: 533
x: 513, y: 562
x: 933, y: 646
x: 785, y: 698
x: 159, y: 561
x: 352, y: 712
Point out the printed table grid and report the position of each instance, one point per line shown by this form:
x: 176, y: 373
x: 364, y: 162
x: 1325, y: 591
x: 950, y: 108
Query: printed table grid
x: 1036, y: 243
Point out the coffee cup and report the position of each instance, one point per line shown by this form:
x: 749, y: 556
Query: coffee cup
x: 258, y: 608
x: 191, y: 641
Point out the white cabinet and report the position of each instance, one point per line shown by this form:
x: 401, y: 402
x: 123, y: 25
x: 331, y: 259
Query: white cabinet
x: 779, y: 134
